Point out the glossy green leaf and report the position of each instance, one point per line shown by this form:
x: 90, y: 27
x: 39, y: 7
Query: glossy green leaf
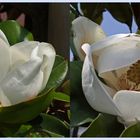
x: 61, y: 97
x: 26, y: 111
x: 121, y: 12
x: 132, y: 131
x: 23, y: 131
x: 14, y: 32
x: 27, y: 130
x: 54, y: 126
x: 81, y: 112
x: 58, y: 73
x: 104, y: 126
x: 93, y: 11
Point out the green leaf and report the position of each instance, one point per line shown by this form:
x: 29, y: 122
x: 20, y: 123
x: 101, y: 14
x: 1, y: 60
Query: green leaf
x: 23, y: 131
x: 104, y: 126
x: 14, y: 32
x: 27, y: 110
x: 61, y: 97
x: 54, y: 126
x: 58, y: 73
x: 30, y: 131
x: 132, y: 131
x: 93, y: 11
x: 121, y: 12
x: 81, y: 112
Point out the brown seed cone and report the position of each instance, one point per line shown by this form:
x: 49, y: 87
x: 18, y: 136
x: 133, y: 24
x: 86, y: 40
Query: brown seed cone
x: 133, y: 74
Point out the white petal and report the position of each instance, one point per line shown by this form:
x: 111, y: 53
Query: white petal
x: 99, y: 46
x: 108, y: 41
x: 113, y: 55
x: 4, y: 59
x: 85, y: 31
x: 3, y: 99
x: 21, y: 52
x: 24, y: 82
x: 109, y: 90
x: 3, y: 37
x: 128, y: 103
x: 95, y: 92
x: 119, y: 55
x: 26, y: 47
x: 46, y: 52
x: 17, y: 57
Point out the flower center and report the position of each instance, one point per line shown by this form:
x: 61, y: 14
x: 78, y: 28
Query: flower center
x: 133, y: 74
x: 131, y: 79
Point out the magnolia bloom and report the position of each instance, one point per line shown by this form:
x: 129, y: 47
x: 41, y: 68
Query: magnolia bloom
x: 111, y: 76
x: 24, y: 69
x: 82, y: 36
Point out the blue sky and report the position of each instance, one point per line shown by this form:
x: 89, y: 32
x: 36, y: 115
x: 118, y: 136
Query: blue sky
x: 112, y: 26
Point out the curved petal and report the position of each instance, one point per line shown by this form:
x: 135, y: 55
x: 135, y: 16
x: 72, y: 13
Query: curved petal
x: 3, y: 37
x: 21, y: 52
x: 17, y: 57
x: 112, y: 77
x: 120, y: 54
x: 22, y: 83
x: 47, y: 52
x: 109, y: 41
x: 109, y: 58
x: 105, y: 43
x: 4, y: 59
x: 85, y: 31
x: 128, y: 103
x: 95, y: 92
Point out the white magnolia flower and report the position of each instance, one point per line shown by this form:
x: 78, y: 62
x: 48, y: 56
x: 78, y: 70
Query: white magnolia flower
x: 84, y: 32
x: 111, y: 76
x: 24, y: 69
